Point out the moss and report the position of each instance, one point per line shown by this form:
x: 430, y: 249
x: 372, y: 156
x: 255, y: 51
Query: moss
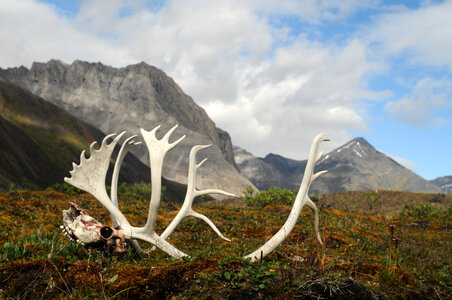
x: 358, y: 260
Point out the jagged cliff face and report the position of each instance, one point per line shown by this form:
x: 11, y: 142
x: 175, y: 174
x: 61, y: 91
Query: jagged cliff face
x: 262, y: 174
x: 137, y: 96
x: 353, y: 167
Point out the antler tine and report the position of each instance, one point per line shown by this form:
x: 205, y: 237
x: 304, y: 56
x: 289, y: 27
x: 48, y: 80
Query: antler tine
x: 91, y: 148
x: 319, y: 156
x: 186, y: 209
x: 169, y: 133
x: 117, y: 138
x: 201, y: 163
x: 314, y: 209
x: 214, y: 191
x: 83, y: 154
x: 154, y: 131
x: 300, y: 201
x: 210, y: 223
x: 317, y: 175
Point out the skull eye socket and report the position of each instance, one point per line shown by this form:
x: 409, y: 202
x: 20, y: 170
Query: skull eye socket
x: 106, y: 232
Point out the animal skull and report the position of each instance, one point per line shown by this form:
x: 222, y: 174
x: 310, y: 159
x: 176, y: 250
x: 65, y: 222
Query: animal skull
x: 84, y: 229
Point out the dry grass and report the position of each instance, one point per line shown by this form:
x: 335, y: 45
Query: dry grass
x: 389, y: 202
x: 359, y: 261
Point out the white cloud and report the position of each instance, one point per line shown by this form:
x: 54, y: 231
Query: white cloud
x: 421, y: 35
x: 305, y: 89
x: 32, y: 31
x: 418, y: 109
x: 403, y: 161
x: 218, y: 52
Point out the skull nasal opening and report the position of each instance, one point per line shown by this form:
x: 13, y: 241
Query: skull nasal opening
x: 106, y: 232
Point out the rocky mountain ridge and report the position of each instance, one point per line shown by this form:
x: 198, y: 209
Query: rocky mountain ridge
x: 133, y: 97
x: 355, y: 166
x: 444, y: 182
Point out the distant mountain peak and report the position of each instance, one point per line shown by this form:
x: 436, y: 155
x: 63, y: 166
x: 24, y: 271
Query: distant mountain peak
x: 356, y: 165
x: 358, y: 147
x: 444, y: 182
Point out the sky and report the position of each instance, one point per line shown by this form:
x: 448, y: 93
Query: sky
x: 272, y: 73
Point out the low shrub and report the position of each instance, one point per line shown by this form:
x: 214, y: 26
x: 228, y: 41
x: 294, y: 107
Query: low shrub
x: 272, y: 196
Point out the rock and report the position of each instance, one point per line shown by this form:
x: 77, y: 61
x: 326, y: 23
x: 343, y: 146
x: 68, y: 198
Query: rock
x: 355, y: 166
x: 117, y: 99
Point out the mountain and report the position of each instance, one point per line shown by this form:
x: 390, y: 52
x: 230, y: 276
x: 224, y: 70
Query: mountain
x: 355, y: 166
x: 260, y: 173
x: 39, y: 141
x: 133, y: 97
x: 445, y: 183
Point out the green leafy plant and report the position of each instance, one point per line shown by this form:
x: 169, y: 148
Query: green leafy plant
x: 372, y: 198
x: 421, y: 210
x: 139, y: 190
x: 40, y: 244
x: 272, y: 196
x: 65, y: 188
x: 259, y: 276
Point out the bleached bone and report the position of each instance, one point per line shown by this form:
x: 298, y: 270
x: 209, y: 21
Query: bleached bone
x: 90, y: 177
x: 301, y: 199
x: 157, y: 150
x: 81, y: 228
x: 125, y: 147
x: 314, y: 209
x: 186, y: 209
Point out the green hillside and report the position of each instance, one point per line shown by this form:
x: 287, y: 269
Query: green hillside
x: 39, y: 141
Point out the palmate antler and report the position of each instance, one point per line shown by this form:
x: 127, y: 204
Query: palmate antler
x: 90, y: 176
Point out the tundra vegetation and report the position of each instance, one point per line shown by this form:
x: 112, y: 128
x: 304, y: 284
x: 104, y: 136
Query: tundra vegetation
x: 368, y: 252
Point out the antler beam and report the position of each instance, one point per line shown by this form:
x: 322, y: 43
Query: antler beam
x: 301, y: 199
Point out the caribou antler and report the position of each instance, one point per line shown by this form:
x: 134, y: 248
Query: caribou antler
x: 90, y: 175
x: 301, y: 199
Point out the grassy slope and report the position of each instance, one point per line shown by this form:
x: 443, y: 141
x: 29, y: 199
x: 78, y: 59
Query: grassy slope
x: 388, y: 202
x: 22, y: 159
x: 359, y: 261
x: 57, y: 137
x: 40, y: 141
